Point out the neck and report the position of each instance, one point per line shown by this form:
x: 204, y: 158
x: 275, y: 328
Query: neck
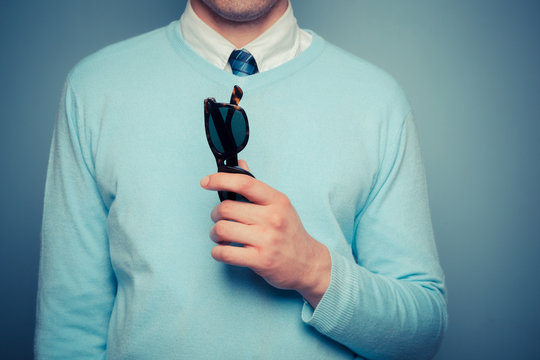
x: 239, y: 33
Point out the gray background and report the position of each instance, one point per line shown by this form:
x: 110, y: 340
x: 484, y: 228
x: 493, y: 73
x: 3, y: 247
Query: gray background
x: 470, y: 69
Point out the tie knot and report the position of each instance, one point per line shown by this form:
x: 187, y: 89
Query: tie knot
x: 242, y: 63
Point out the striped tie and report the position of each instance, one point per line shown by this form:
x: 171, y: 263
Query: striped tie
x: 242, y: 63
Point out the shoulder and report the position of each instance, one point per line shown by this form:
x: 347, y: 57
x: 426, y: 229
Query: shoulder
x: 119, y: 61
x: 354, y: 76
x: 360, y: 83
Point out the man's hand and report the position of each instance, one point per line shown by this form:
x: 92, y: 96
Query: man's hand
x: 275, y: 244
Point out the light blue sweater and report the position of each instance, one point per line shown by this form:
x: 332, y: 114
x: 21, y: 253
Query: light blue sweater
x: 126, y: 271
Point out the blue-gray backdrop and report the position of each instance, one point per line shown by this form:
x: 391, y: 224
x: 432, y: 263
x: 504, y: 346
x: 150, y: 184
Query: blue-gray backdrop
x: 470, y: 69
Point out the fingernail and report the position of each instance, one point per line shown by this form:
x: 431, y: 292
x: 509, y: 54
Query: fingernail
x: 205, y: 180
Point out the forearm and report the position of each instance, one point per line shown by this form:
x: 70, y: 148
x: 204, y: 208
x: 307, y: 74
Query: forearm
x: 386, y: 298
x: 379, y: 317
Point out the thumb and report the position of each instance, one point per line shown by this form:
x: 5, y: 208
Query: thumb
x: 243, y: 164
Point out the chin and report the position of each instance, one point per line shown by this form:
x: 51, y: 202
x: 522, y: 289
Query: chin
x: 240, y: 10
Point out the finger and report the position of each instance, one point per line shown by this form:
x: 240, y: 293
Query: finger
x: 233, y: 255
x: 254, y: 190
x: 243, y: 164
x: 229, y: 231
x: 245, y: 213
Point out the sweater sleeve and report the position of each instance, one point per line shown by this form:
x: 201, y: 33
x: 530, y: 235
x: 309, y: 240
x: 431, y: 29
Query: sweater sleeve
x: 77, y: 285
x: 386, y: 300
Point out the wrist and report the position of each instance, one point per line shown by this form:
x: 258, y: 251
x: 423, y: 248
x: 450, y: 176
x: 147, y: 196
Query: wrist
x: 317, y: 277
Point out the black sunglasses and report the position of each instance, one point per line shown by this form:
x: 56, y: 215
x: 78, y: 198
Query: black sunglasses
x: 227, y: 132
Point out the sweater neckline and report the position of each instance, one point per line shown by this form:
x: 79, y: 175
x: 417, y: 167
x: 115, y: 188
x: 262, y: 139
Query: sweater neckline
x: 253, y: 81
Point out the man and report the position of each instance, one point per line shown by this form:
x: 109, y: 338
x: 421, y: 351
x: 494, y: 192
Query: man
x: 339, y: 262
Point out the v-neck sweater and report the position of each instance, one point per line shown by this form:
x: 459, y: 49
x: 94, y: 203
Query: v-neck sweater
x: 126, y: 271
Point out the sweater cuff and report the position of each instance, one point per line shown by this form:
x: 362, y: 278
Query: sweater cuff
x: 333, y: 312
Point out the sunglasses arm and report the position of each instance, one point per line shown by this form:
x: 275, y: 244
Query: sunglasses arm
x: 236, y: 95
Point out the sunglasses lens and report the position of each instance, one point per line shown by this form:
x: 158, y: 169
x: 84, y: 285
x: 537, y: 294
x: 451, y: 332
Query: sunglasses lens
x: 238, y: 128
x: 214, y: 137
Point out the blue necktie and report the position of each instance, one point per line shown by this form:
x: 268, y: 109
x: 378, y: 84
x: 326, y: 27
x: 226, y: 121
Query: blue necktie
x: 242, y: 63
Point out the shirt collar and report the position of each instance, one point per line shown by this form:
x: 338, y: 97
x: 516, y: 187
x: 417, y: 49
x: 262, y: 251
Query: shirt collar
x: 278, y: 44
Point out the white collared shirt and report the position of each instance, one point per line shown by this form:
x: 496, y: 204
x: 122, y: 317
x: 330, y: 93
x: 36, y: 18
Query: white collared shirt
x: 280, y: 43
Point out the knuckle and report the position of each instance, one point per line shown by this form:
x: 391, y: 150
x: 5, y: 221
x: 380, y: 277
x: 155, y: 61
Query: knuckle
x: 217, y: 253
x: 214, y: 215
x: 220, y: 229
x: 277, y: 221
x: 224, y: 209
x: 284, y: 200
x: 225, y: 255
x: 268, y: 261
x: 212, y: 180
x: 245, y: 183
